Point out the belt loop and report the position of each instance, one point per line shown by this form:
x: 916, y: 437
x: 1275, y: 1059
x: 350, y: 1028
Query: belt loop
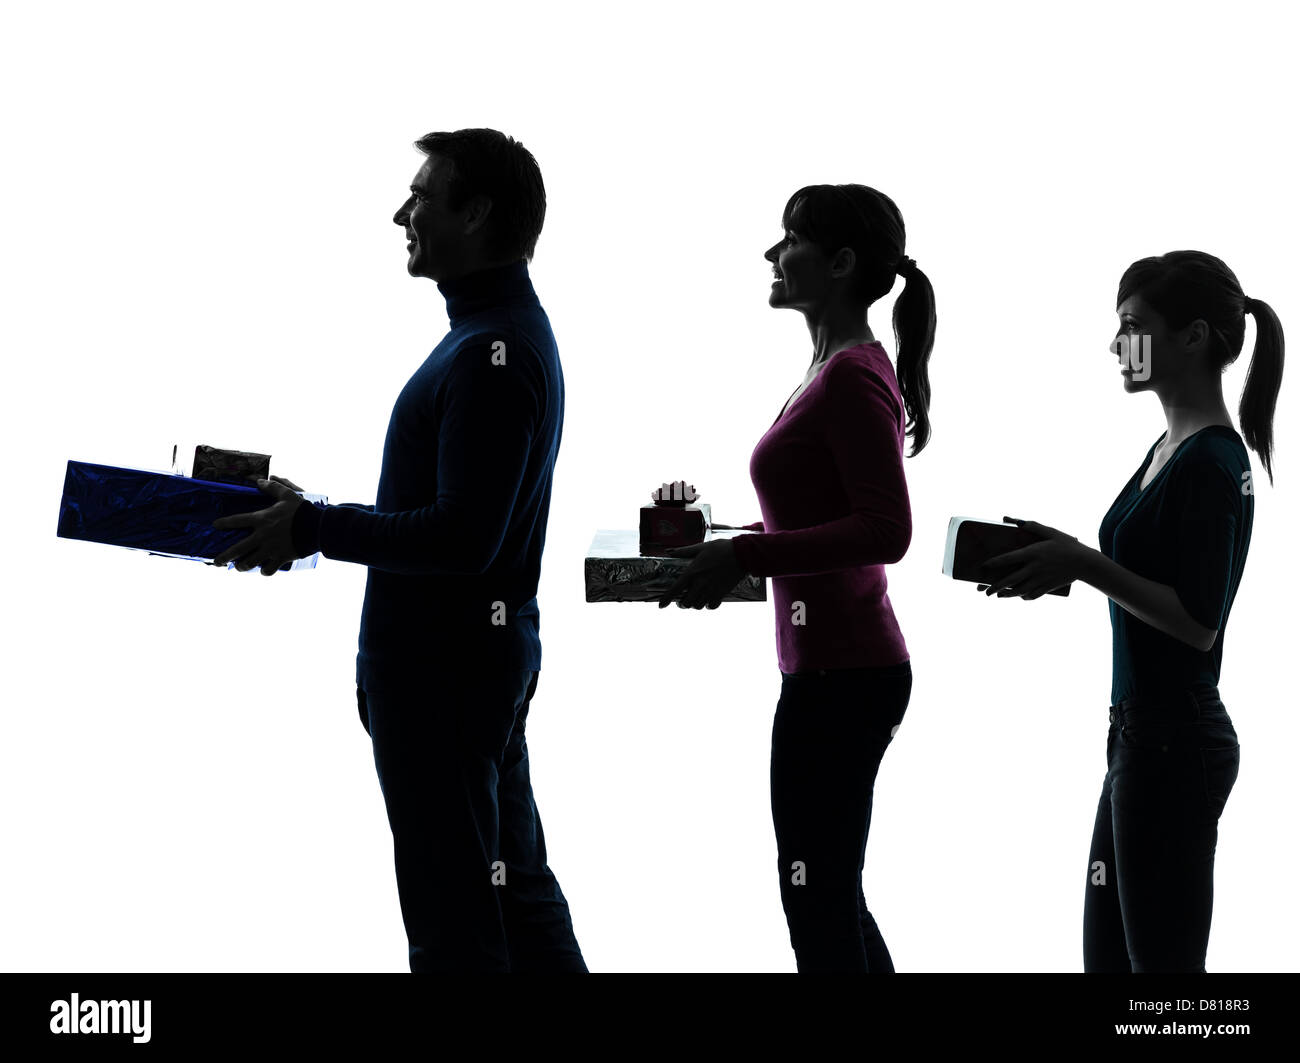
x: 1196, y: 704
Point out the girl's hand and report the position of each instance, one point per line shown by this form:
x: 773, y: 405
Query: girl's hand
x: 1034, y: 570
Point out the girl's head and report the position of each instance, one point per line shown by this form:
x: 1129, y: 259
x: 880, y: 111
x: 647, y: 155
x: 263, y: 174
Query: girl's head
x: 1193, y: 310
x: 845, y: 243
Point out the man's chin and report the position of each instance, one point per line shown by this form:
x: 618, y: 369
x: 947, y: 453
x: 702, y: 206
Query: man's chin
x: 418, y: 266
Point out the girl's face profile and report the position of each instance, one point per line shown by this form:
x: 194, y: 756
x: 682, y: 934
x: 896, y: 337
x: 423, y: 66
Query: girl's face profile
x: 1138, y: 344
x: 1151, y: 354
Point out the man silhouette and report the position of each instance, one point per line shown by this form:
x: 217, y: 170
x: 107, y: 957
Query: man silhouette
x: 449, y: 648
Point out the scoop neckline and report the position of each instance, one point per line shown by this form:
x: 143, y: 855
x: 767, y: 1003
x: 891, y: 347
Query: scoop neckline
x: 1172, y: 457
x: 857, y: 346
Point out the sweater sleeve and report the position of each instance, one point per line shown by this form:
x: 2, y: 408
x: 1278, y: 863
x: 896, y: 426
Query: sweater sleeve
x: 861, y: 433
x: 1209, y: 521
x: 485, y: 433
x: 306, y: 526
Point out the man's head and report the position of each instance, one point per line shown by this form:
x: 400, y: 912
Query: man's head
x: 477, y: 201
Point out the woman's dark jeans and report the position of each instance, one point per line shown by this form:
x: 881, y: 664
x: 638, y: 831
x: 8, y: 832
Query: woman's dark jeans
x: 1171, y: 762
x: 831, y: 729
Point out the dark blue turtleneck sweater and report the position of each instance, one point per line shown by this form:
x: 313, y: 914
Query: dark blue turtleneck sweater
x: 454, y: 540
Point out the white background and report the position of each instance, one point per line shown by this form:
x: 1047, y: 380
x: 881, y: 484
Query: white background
x: 198, y: 247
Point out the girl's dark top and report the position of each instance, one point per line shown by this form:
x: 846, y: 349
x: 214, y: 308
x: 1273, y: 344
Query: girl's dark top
x: 1189, y: 529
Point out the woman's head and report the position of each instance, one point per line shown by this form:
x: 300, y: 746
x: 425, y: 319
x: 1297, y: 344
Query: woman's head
x: 839, y: 240
x: 1183, y: 314
x: 846, y: 243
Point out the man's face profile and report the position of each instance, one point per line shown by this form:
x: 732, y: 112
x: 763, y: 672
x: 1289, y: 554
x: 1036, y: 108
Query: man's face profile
x: 434, y: 245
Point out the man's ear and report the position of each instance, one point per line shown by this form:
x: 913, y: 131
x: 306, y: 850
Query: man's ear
x: 476, y: 213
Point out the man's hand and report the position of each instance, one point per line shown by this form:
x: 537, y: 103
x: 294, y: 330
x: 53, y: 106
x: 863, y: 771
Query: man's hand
x: 712, y: 573
x: 1034, y: 570
x: 271, y: 544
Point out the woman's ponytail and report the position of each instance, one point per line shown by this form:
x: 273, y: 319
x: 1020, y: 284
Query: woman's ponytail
x: 1263, y: 381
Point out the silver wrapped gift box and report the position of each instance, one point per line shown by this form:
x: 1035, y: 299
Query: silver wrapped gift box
x: 616, y: 571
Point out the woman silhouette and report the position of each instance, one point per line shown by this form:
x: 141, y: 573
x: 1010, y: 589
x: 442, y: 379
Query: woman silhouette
x: 830, y: 484
x: 1173, y: 547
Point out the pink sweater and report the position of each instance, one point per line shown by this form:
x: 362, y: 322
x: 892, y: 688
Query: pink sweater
x: 830, y: 485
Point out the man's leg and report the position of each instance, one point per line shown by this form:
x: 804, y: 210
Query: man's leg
x: 438, y: 753
x: 539, y: 931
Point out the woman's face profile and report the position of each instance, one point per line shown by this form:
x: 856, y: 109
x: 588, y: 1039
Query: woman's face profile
x: 802, y: 273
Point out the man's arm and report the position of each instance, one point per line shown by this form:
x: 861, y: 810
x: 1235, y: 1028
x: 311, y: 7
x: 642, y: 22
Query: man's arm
x: 485, y: 437
x: 306, y: 525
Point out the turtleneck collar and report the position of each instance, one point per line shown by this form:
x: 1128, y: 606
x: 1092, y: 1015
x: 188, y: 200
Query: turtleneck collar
x: 486, y: 288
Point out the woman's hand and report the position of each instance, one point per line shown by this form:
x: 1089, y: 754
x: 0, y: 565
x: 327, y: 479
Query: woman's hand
x: 712, y: 573
x: 1034, y: 570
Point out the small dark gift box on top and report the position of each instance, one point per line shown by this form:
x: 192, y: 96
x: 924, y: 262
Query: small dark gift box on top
x: 230, y: 466
x: 673, y: 519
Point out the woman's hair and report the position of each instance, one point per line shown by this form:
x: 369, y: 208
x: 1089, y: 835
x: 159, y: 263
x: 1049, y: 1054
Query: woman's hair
x: 1183, y: 286
x: 858, y: 217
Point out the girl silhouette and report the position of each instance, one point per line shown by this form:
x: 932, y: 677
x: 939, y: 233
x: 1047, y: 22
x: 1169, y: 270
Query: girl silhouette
x: 830, y: 484
x: 1173, y: 548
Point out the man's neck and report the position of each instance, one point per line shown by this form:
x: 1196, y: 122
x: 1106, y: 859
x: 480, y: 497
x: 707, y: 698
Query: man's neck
x: 476, y: 266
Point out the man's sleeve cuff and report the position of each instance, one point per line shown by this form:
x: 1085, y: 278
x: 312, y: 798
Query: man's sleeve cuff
x: 306, y: 528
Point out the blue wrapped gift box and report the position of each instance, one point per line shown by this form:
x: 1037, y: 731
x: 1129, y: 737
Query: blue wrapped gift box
x: 159, y: 512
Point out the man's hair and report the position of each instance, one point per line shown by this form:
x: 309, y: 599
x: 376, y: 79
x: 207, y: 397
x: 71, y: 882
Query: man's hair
x: 487, y: 162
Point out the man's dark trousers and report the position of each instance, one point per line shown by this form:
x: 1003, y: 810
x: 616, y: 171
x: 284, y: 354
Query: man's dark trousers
x: 475, y: 891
